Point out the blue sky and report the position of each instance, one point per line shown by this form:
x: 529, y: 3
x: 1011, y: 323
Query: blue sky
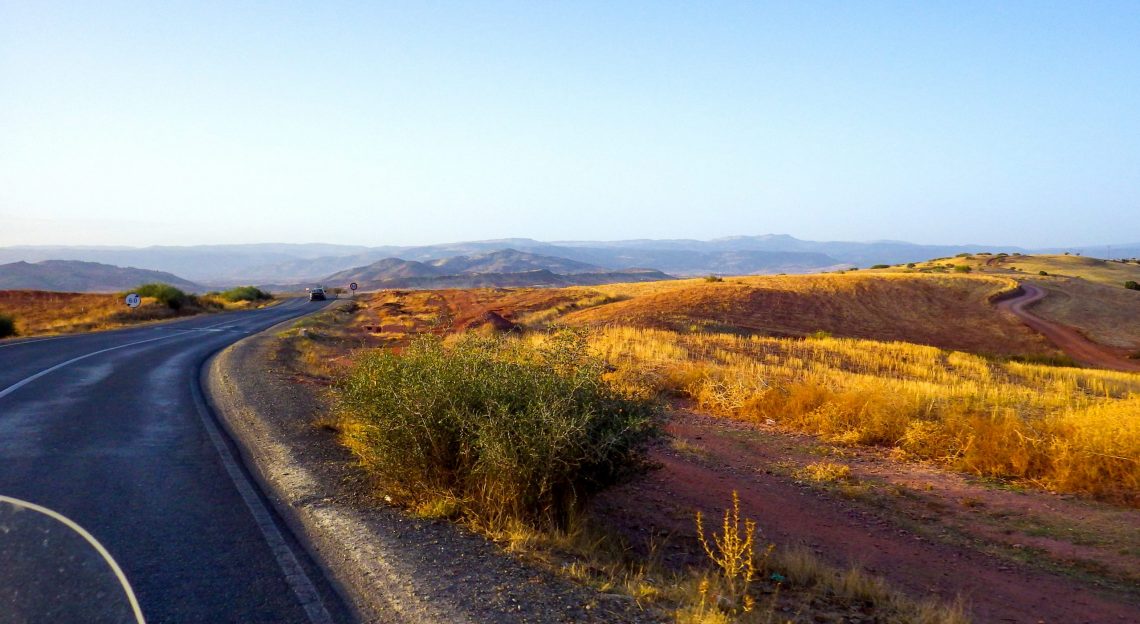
x: 418, y: 122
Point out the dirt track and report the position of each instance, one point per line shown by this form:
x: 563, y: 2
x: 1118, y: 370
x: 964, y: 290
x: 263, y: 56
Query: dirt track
x: 913, y: 552
x: 1067, y: 339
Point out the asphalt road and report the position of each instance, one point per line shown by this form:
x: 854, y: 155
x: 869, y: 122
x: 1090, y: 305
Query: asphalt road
x: 110, y: 430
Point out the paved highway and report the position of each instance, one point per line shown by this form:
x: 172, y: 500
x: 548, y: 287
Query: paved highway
x: 110, y: 429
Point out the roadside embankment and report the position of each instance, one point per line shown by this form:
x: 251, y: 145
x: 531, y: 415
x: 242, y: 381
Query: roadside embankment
x: 389, y: 566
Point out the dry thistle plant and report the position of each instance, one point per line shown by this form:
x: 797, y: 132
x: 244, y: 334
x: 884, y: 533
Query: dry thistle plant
x: 732, y: 552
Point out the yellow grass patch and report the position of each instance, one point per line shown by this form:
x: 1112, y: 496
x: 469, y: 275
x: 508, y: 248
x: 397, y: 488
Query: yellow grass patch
x: 1065, y: 429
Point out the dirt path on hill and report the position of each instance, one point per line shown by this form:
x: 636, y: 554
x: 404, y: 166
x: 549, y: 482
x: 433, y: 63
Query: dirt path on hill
x: 917, y: 537
x: 1067, y: 339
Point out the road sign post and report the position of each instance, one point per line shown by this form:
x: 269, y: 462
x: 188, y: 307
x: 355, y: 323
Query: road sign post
x: 352, y: 287
x: 133, y: 300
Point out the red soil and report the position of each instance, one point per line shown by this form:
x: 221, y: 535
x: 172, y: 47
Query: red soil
x: 912, y: 556
x: 1067, y: 339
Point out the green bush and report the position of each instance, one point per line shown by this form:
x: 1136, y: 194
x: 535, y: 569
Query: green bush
x: 962, y: 268
x: 880, y: 266
x: 245, y: 293
x: 166, y: 294
x: 1043, y: 273
x: 713, y: 278
x: 504, y: 429
x: 7, y: 326
x: 910, y: 265
x: 1131, y: 285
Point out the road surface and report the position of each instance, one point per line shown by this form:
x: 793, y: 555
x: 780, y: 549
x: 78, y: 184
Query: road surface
x: 110, y: 429
x: 1067, y: 339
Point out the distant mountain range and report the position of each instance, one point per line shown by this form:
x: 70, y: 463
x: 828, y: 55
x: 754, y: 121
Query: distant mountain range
x: 504, y: 268
x: 75, y: 276
x: 227, y: 265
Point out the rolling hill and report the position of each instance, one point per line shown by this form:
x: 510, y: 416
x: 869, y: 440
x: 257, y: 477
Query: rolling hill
x: 83, y: 277
x: 951, y: 311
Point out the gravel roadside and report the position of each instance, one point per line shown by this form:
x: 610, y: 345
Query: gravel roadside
x: 389, y: 567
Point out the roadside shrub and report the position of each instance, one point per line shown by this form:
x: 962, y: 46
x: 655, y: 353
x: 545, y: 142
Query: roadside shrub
x: 910, y: 265
x: 1131, y: 285
x: 245, y: 293
x: 963, y: 268
x: 881, y: 266
x: 1043, y: 273
x: 7, y: 326
x: 713, y: 278
x: 509, y: 430
x: 166, y: 294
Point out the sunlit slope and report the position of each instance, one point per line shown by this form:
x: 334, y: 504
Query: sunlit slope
x: 38, y: 312
x: 1105, y: 314
x: 948, y: 311
x: 1112, y: 273
x: 1108, y: 272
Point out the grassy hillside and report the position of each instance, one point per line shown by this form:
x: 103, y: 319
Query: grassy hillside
x: 1085, y: 293
x: 744, y: 348
x: 1108, y: 272
x: 948, y: 311
x: 45, y: 313
x: 1103, y: 313
x: 1112, y: 273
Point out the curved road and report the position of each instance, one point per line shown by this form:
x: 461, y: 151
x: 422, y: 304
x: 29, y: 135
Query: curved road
x: 110, y: 429
x: 1067, y: 339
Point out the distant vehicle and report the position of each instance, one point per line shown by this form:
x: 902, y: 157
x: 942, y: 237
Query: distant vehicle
x: 317, y: 294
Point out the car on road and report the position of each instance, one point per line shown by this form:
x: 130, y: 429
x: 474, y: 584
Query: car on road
x: 317, y: 294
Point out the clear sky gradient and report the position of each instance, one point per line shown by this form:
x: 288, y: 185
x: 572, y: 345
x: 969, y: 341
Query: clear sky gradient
x: 418, y: 122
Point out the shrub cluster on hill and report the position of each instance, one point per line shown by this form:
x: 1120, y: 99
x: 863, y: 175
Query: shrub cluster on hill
x: 245, y: 293
x: 166, y: 294
x: 1132, y: 285
x: 492, y: 428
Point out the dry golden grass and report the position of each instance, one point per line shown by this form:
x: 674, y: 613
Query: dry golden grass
x: 394, y: 314
x: 39, y: 313
x: 45, y: 313
x: 949, y: 311
x: 1105, y: 314
x: 1064, y: 429
x: 1108, y: 272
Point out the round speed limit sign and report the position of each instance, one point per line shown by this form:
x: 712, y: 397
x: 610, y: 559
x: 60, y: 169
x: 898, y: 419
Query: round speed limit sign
x: 133, y: 300
x: 352, y: 285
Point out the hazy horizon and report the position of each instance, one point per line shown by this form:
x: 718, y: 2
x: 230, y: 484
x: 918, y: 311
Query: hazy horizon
x: 364, y: 124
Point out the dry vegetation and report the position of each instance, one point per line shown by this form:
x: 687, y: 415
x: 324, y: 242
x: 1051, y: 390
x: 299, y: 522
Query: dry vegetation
x: 1112, y: 273
x: 42, y: 313
x: 1087, y: 294
x: 727, y: 346
x: 39, y: 313
x: 1105, y: 314
x: 946, y: 311
x: 1065, y: 429
x: 857, y: 359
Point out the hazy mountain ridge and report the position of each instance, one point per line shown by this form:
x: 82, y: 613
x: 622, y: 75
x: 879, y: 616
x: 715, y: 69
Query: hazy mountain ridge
x: 503, y: 268
x: 76, y: 276
x: 536, y: 277
x: 218, y: 265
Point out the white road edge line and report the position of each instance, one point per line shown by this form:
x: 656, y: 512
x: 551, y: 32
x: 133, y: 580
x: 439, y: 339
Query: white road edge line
x: 24, y: 342
x: 23, y: 382
x: 303, y: 588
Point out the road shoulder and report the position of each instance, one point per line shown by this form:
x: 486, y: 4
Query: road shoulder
x: 390, y: 567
